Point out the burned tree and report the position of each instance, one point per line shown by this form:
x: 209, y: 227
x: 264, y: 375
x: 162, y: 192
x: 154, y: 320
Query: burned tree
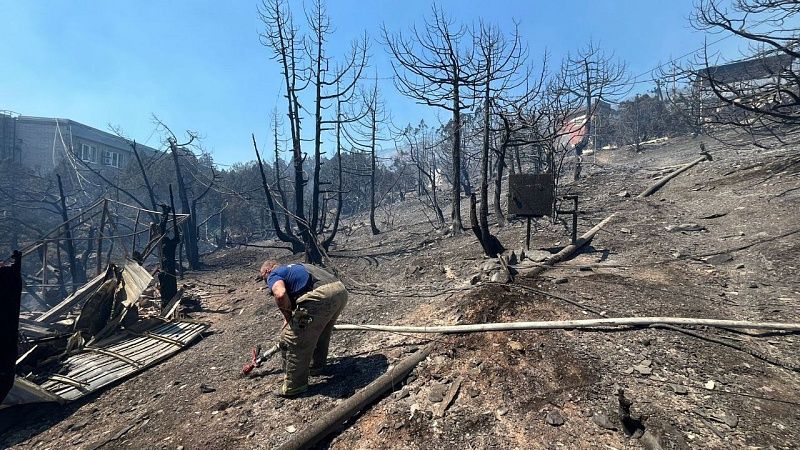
x: 281, y: 37
x: 423, y: 157
x: 500, y: 59
x: 593, y: 76
x: 761, y: 93
x: 305, y: 63
x: 435, y: 66
x: 329, y: 85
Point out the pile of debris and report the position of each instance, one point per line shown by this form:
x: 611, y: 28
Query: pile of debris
x: 110, y: 328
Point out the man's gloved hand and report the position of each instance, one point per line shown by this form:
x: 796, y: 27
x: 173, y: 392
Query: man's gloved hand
x: 302, y: 317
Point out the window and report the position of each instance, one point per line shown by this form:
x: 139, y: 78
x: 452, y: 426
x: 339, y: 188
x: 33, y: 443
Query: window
x: 88, y: 153
x: 111, y: 158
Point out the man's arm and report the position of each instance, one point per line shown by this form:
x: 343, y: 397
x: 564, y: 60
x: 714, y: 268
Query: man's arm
x: 282, y: 299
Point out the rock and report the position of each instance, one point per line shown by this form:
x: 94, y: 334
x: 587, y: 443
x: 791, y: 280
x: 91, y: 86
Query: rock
x: 516, y: 346
x: 679, y: 389
x: 643, y: 370
x: 710, y: 385
x: 538, y: 255
x: 716, y: 260
x: 488, y: 266
x: 625, y: 230
x: 623, y: 194
x: 554, y: 418
x: 500, y: 276
x: 730, y: 420
x: 231, y: 290
x: 752, y: 285
x: 206, y: 389
x: 685, y: 227
x: 436, y: 393
x: 740, y: 266
x: 473, y: 392
x: 585, y: 268
x: 560, y: 280
x: 475, y: 279
x: 501, y: 411
x: 602, y: 421
x: 291, y: 428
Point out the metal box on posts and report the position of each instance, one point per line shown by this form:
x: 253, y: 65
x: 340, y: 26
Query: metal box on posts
x: 530, y: 195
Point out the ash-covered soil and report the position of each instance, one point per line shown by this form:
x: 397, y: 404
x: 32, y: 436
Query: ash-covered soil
x: 597, y: 388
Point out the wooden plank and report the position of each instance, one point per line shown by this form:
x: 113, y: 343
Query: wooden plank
x: 81, y: 294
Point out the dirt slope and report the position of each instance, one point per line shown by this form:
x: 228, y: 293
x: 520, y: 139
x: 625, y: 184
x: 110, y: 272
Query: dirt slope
x: 543, y: 389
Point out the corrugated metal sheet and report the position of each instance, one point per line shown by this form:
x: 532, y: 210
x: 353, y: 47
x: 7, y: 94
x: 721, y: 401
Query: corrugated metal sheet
x: 95, y: 368
x: 24, y: 392
x: 136, y: 280
x: 78, y: 296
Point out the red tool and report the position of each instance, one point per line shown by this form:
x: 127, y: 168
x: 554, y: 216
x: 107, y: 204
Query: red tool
x: 258, y: 358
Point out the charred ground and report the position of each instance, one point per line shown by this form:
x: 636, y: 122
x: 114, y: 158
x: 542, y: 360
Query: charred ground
x: 538, y: 389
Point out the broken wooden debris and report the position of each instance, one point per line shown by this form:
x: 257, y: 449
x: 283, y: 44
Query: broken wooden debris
x: 346, y: 409
x: 78, y: 296
x: 452, y: 391
x: 661, y: 182
x: 172, y: 306
x: 567, y: 251
x: 10, y: 300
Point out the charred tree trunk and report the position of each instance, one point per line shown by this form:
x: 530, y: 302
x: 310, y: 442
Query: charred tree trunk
x: 587, y: 127
x: 146, y: 179
x: 10, y: 297
x: 284, y: 236
x: 279, y: 179
x: 487, y: 240
x: 190, y: 225
x: 498, y: 181
x: 77, y: 276
x: 492, y: 246
x: 373, y: 160
x: 168, y: 277
x: 455, y: 214
x: 339, y: 194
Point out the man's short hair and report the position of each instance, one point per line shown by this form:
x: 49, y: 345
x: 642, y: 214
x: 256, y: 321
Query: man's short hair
x: 268, y: 266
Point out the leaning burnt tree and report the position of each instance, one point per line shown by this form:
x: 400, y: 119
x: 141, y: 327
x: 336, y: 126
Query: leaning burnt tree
x: 436, y: 67
x: 595, y: 77
x: 500, y: 60
x: 759, y: 95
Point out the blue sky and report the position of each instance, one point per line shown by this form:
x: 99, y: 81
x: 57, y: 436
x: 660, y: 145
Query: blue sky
x: 199, y: 64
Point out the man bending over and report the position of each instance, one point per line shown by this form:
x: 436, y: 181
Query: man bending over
x: 310, y: 299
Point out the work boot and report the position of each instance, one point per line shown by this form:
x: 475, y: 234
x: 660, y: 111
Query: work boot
x: 318, y: 371
x: 284, y: 392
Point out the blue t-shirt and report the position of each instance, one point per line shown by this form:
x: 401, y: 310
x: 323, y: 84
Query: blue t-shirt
x: 294, y: 276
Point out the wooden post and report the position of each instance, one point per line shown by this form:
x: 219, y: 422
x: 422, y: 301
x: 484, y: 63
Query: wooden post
x: 77, y: 277
x: 135, y: 226
x: 100, y: 236
x: 44, y: 270
x: 528, y: 235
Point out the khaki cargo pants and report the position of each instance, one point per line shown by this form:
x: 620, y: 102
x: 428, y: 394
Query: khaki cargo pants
x: 305, y: 343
